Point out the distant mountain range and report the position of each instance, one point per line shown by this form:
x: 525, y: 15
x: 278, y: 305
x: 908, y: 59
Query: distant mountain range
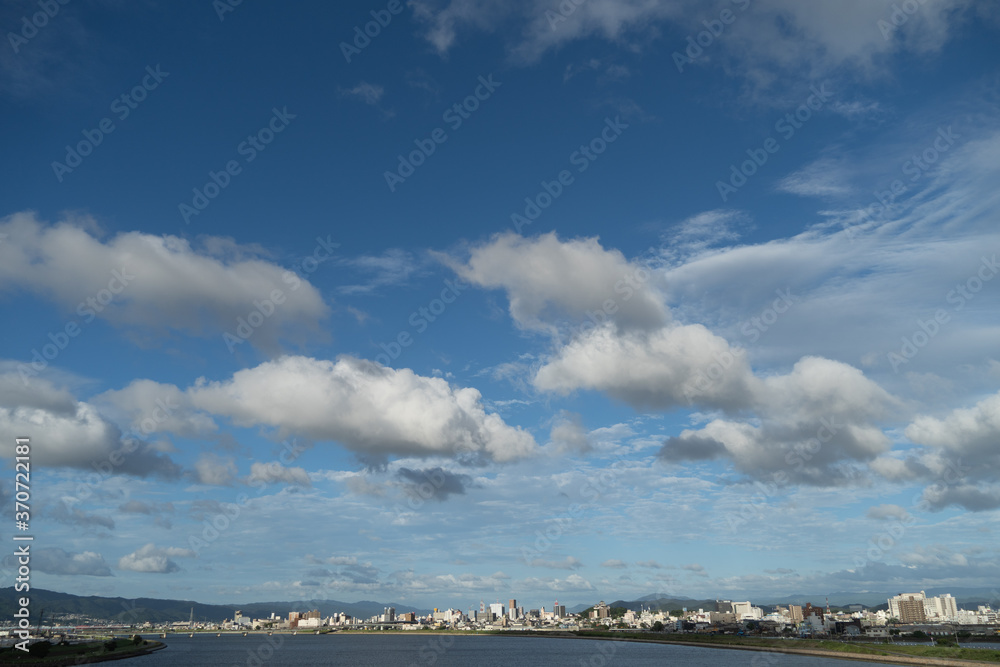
x: 155, y: 610
x: 965, y: 597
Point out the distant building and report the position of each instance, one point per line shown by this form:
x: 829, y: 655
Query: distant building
x: 908, y: 607
x: 600, y: 610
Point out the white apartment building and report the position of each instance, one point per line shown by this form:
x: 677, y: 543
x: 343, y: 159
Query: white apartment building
x: 939, y: 608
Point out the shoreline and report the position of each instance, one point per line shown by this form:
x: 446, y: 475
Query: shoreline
x: 891, y: 659
x: 897, y: 659
x: 66, y: 661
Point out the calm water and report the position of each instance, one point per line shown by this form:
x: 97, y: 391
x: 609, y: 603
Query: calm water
x: 451, y: 651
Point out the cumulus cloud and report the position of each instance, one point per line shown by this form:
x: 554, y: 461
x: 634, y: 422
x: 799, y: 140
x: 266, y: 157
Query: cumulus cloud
x: 433, y: 483
x: 569, y: 435
x: 58, y: 561
x: 154, y: 559
x: 671, y: 367
x: 341, y: 400
x: 140, y: 507
x: 614, y: 563
x: 332, y: 560
x: 810, y: 420
x: 71, y: 433
x: 568, y: 563
x: 215, y: 470
x: 549, y: 281
x: 74, y: 516
x: 156, y: 283
x: 154, y: 407
x: 887, y: 511
x: 573, y: 582
x: 970, y: 434
x: 960, y: 453
x: 275, y: 473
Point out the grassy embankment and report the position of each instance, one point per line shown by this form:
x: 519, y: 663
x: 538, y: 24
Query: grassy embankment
x: 78, y: 654
x: 887, y: 650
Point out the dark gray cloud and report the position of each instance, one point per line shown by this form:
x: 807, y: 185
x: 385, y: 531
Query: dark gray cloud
x: 433, y: 483
x: 691, y: 448
x: 76, y: 517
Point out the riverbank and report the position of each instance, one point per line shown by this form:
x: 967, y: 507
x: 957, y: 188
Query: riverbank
x: 79, y: 654
x: 941, y: 656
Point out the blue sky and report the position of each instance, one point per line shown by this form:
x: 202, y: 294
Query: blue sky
x: 511, y: 299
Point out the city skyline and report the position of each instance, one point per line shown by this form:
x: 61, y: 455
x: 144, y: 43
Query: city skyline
x: 435, y: 301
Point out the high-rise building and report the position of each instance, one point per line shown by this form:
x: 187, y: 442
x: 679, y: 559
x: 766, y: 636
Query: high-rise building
x: 601, y: 610
x: 942, y: 607
x: 908, y: 607
x: 795, y: 613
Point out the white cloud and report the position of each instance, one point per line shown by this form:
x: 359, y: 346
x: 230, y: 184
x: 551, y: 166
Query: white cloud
x: 154, y: 559
x: 822, y: 178
x: 549, y: 281
x: 568, y: 563
x: 393, y: 267
x: 154, y: 407
x: 771, y: 36
x: 365, y: 406
x: 58, y: 561
x: 273, y: 472
x: 970, y: 434
x: 809, y: 422
x: 364, y: 91
x: 70, y: 433
x: 569, y: 435
x: 215, y: 470
x: 887, y: 511
x: 159, y: 283
x: 662, y: 369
